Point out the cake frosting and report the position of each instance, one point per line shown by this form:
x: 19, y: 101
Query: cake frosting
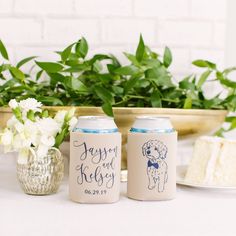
x: 213, y: 162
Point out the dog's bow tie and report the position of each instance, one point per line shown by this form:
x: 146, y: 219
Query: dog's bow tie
x: 155, y: 164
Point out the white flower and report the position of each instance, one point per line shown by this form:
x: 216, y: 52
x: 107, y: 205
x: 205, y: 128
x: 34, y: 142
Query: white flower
x: 31, y: 132
x: 19, y: 127
x: 47, y: 140
x: 42, y: 150
x: 28, y: 134
x: 30, y: 128
x: 60, y: 116
x: 17, y: 142
x: 48, y: 126
x: 26, y: 143
x: 12, y: 122
x: 7, y: 137
x: 30, y: 104
x: 13, y: 103
x: 72, y: 123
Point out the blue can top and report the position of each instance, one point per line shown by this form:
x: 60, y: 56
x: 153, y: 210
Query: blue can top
x: 95, y: 125
x: 152, y: 124
x: 134, y: 130
x: 95, y: 131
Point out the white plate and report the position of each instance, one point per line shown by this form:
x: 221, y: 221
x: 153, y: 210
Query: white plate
x: 180, y: 173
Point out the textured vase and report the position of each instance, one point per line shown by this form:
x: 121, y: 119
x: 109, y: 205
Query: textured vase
x: 41, y: 176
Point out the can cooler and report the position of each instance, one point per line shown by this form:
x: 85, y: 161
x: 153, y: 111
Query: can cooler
x: 95, y: 167
x: 152, y: 165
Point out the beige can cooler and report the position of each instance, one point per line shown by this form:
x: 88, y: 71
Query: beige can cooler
x: 152, y: 148
x: 95, y: 157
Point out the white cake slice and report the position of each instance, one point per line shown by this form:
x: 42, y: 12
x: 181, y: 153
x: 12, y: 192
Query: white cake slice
x: 213, y: 162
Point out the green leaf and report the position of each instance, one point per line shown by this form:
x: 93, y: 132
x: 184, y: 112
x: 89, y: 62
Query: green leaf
x: 104, y: 94
x: 9, y: 83
x: 211, y: 65
x: 117, y: 89
x: 230, y: 118
x: 225, y: 81
x: 155, y: 99
x: 4, y: 67
x: 55, y: 78
x: 111, y: 68
x: 3, y: 51
x: 107, y: 108
x: 82, y: 47
x: 38, y: 75
x: 30, y: 115
x: 143, y: 83
x: 211, y: 103
x: 130, y: 84
x: 203, y: 78
x: 229, y: 70
x: 77, y: 68
x: 200, y: 63
x: 173, y: 94
x: 97, y: 66
x: 188, y: 103
x: 50, y: 67
x: 140, y: 49
x: 187, y: 84
x: 127, y: 70
x: 61, y: 136
x: 150, y: 53
x: 105, y: 78
x: 220, y: 132
x: 18, y: 89
x: 77, y: 85
x: 17, y: 73
x: 98, y: 57
x: 167, y: 59
x: 52, y: 101
x: 66, y: 52
x: 160, y: 76
x: 140, y: 103
x: 230, y: 103
x: 132, y: 59
x: 150, y: 63
x: 233, y: 124
x: 228, y: 83
x: 204, y: 63
x: 24, y: 61
x: 45, y: 113
x: 17, y: 112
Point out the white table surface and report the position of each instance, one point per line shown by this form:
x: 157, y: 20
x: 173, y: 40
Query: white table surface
x: 193, y: 212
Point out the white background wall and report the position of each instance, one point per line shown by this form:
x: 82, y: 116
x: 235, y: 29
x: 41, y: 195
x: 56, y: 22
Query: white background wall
x: 230, y: 57
x: 191, y: 28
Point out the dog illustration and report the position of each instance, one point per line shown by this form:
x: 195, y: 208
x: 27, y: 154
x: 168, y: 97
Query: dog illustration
x: 156, y: 152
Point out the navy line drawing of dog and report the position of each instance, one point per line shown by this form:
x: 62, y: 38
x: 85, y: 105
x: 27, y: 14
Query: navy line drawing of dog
x: 155, y: 151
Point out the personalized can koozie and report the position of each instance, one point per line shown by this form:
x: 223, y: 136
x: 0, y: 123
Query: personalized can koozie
x: 152, y: 148
x: 95, y: 156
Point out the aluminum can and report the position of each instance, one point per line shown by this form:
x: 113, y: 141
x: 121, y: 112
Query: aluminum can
x: 152, y: 148
x: 95, y: 157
